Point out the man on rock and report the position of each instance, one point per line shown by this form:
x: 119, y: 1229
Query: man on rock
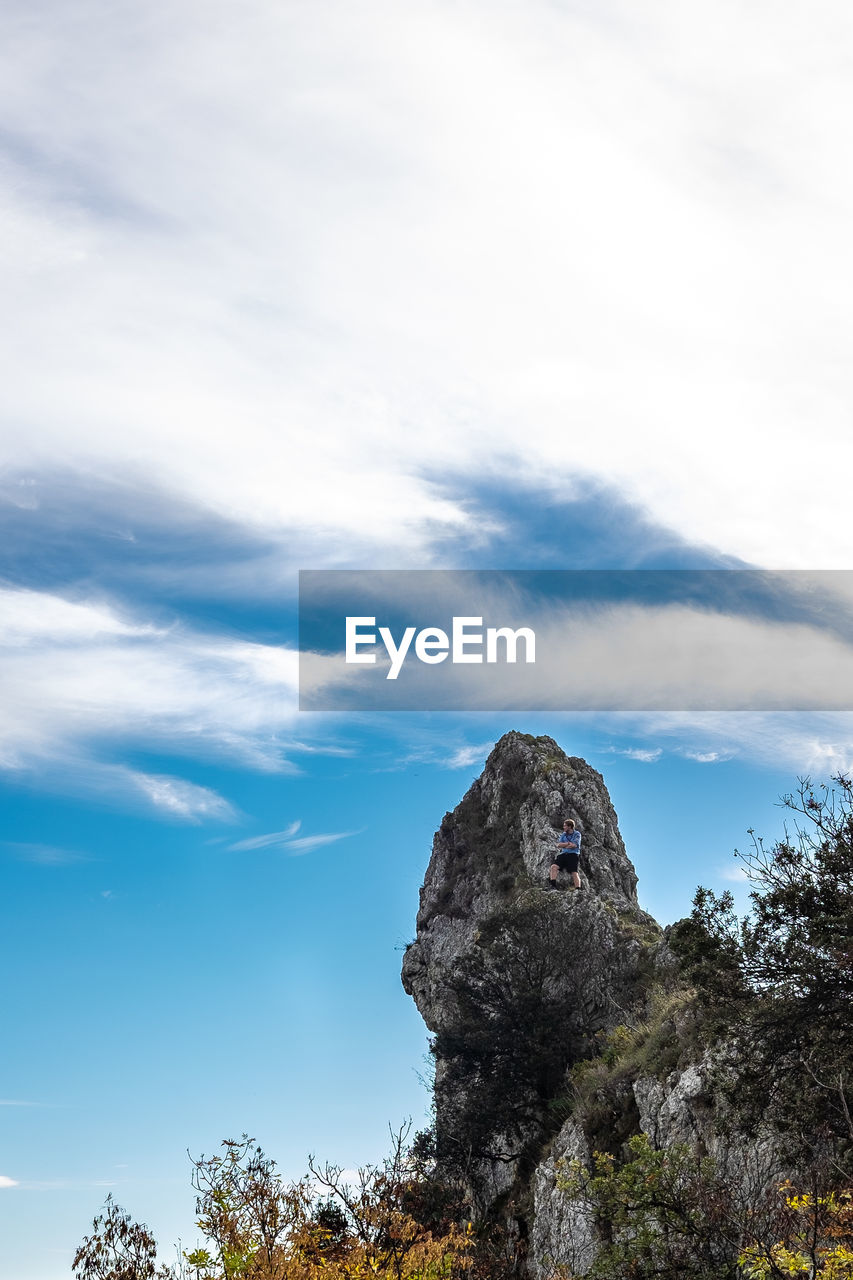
x: 568, y: 858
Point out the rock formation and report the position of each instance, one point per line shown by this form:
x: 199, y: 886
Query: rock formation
x: 498, y: 842
x: 515, y: 981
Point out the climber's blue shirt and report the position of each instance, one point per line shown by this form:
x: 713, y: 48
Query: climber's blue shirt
x: 571, y: 840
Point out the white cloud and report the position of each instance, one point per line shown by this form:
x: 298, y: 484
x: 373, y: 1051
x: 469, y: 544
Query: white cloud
x: 73, y: 702
x: 7, y: 1182
x: 65, y: 1184
x: 464, y: 757
x: 820, y: 744
x: 179, y: 798
x: 177, y: 684
x: 632, y: 657
x: 33, y: 617
x: 289, y: 262
x: 305, y: 844
x: 287, y: 258
x: 284, y: 840
x: 646, y: 755
x: 78, y: 684
x: 734, y: 873
x: 271, y: 838
x: 47, y: 855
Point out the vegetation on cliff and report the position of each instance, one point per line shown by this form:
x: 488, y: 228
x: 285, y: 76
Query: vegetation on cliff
x: 765, y: 1002
x: 778, y: 984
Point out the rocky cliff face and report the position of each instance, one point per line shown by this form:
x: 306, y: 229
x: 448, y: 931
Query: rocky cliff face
x: 680, y: 1109
x: 515, y: 980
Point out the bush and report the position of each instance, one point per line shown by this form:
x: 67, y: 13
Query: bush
x: 779, y: 983
x: 674, y: 1213
x: 392, y: 1222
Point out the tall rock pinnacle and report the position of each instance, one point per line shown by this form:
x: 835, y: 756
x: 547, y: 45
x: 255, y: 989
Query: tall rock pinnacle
x: 499, y: 841
x: 514, y: 980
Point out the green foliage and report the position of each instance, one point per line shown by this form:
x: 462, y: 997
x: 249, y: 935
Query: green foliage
x: 663, y: 1040
x: 658, y: 1043
x: 246, y: 1211
x: 659, y: 1213
x: 554, y: 764
x: 676, y: 1213
x: 709, y: 945
x: 118, y: 1249
x: 639, y: 926
x: 780, y: 982
x: 816, y: 1239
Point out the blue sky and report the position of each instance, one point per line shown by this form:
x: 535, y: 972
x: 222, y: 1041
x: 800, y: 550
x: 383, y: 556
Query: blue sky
x: 502, y: 286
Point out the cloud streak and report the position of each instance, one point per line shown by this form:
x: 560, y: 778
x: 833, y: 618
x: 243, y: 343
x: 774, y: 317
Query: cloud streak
x: 181, y: 799
x: 45, y: 855
x: 464, y: 757
x: 645, y: 755
x: 307, y: 844
x: 271, y: 838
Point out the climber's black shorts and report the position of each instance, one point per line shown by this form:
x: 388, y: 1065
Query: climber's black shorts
x: 567, y: 861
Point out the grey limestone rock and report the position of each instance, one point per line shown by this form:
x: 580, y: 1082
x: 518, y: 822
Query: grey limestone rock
x: 679, y: 1111
x: 563, y: 1232
x: 686, y: 1109
x: 498, y: 842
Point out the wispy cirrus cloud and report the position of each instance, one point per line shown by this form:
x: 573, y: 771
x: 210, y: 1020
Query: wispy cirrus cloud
x: 34, y: 618
x: 45, y: 855
x: 733, y: 873
x: 179, y: 798
x: 817, y: 743
x: 306, y: 844
x: 110, y: 679
x: 645, y: 755
x: 271, y: 838
x: 289, y: 841
x: 59, y: 1184
x: 678, y: 287
x: 464, y: 757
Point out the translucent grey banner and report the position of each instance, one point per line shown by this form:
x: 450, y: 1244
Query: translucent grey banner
x: 575, y: 640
